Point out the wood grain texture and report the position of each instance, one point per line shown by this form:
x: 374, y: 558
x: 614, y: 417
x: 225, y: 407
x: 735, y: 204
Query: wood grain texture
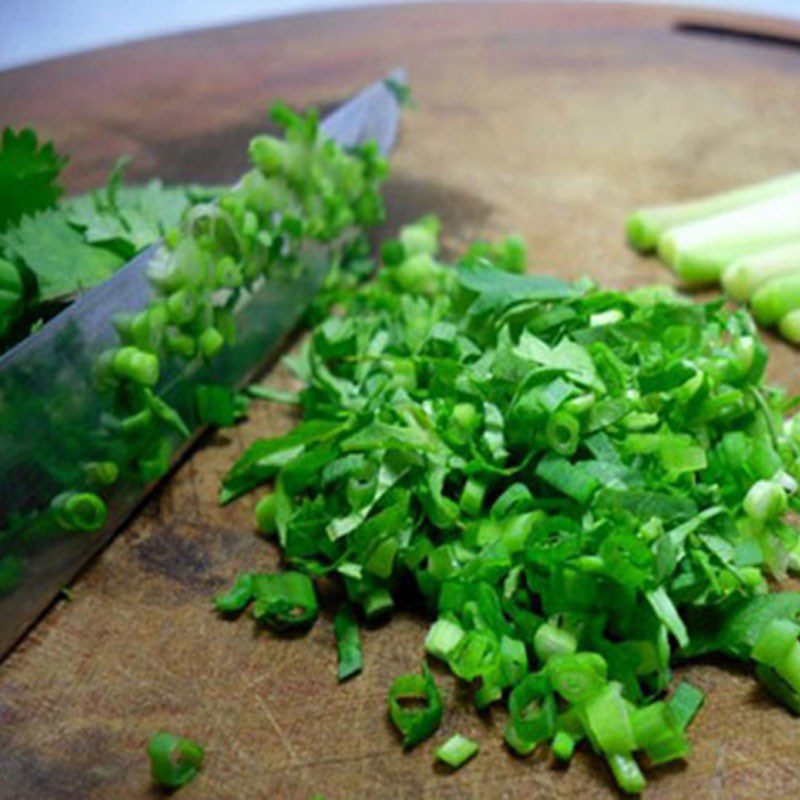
x: 552, y: 121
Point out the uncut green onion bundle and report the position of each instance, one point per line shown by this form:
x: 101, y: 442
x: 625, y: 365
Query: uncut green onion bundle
x: 747, y: 239
x: 645, y: 227
x: 581, y: 488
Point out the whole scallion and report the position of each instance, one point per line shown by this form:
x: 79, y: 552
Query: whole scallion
x: 645, y: 227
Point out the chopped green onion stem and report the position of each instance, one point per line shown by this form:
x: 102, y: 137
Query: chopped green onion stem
x: 457, y: 750
x: 415, y: 707
x: 348, y: 643
x: 174, y: 760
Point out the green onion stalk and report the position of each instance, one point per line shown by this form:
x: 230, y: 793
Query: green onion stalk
x: 646, y: 227
x: 745, y: 275
x: 700, y: 251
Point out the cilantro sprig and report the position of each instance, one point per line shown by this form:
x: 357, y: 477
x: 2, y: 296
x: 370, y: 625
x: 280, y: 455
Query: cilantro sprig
x: 51, y: 249
x: 29, y: 174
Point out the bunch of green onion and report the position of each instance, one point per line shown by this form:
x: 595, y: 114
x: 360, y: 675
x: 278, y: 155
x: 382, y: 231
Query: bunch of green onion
x: 747, y: 239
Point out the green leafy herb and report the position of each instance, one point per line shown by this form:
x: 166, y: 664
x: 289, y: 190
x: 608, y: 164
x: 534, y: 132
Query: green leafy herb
x: 220, y: 405
x: 59, y: 258
x: 29, y: 175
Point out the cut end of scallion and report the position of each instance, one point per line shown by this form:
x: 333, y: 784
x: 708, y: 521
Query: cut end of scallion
x: 743, y: 276
x: 789, y: 326
x: 641, y: 235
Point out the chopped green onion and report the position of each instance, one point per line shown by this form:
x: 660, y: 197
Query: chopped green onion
x: 457, y: 750
x: 777, y: 647
x: 779, y: 688
x: 80, y: 511
x: 561, y: 472
x: 443, y: 638
x: 626, y: 772
x: 685, y: 702
x: 210, y: 342
x: 577, y: 676
x: 533, y: 712
x: 421, y: 237
x: 563, y: 746
x: 607, y: 720
x: 267, y: 514
x: 658, y: 731
x: 285, y: 601
x: 563, y: 433
x: 377, y: 603
x: 415, y: 707
x: 174, y: 760
x: 645, y: 227
x: 472, y: 496
x: 348, y: 643
x: 765, y: 500
x: 238, y: 597
x: 136, y: 365
x: 550, y: 640
x: 101, y: 473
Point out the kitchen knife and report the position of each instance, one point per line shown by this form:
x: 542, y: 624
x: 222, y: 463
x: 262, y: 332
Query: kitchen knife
x: 51, y: 413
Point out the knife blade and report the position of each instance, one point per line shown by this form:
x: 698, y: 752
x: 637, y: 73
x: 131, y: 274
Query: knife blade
x: 50, y: 410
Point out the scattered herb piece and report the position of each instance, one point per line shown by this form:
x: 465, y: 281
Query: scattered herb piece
x: 415, y: 707
x: 174, y: 761
x: 457, y: 750
x: 273, y: 395
x: 685, y: 702
x: 348, y: 643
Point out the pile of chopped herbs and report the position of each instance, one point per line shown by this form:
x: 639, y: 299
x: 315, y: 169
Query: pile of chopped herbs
x: 583, y: 488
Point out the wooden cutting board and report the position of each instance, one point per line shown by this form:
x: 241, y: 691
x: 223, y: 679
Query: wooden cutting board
x: 554, y: 121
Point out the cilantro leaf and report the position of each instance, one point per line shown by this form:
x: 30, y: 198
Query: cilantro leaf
x: 28, y: 175
x: 61, y: 262
x: 127, y: 219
